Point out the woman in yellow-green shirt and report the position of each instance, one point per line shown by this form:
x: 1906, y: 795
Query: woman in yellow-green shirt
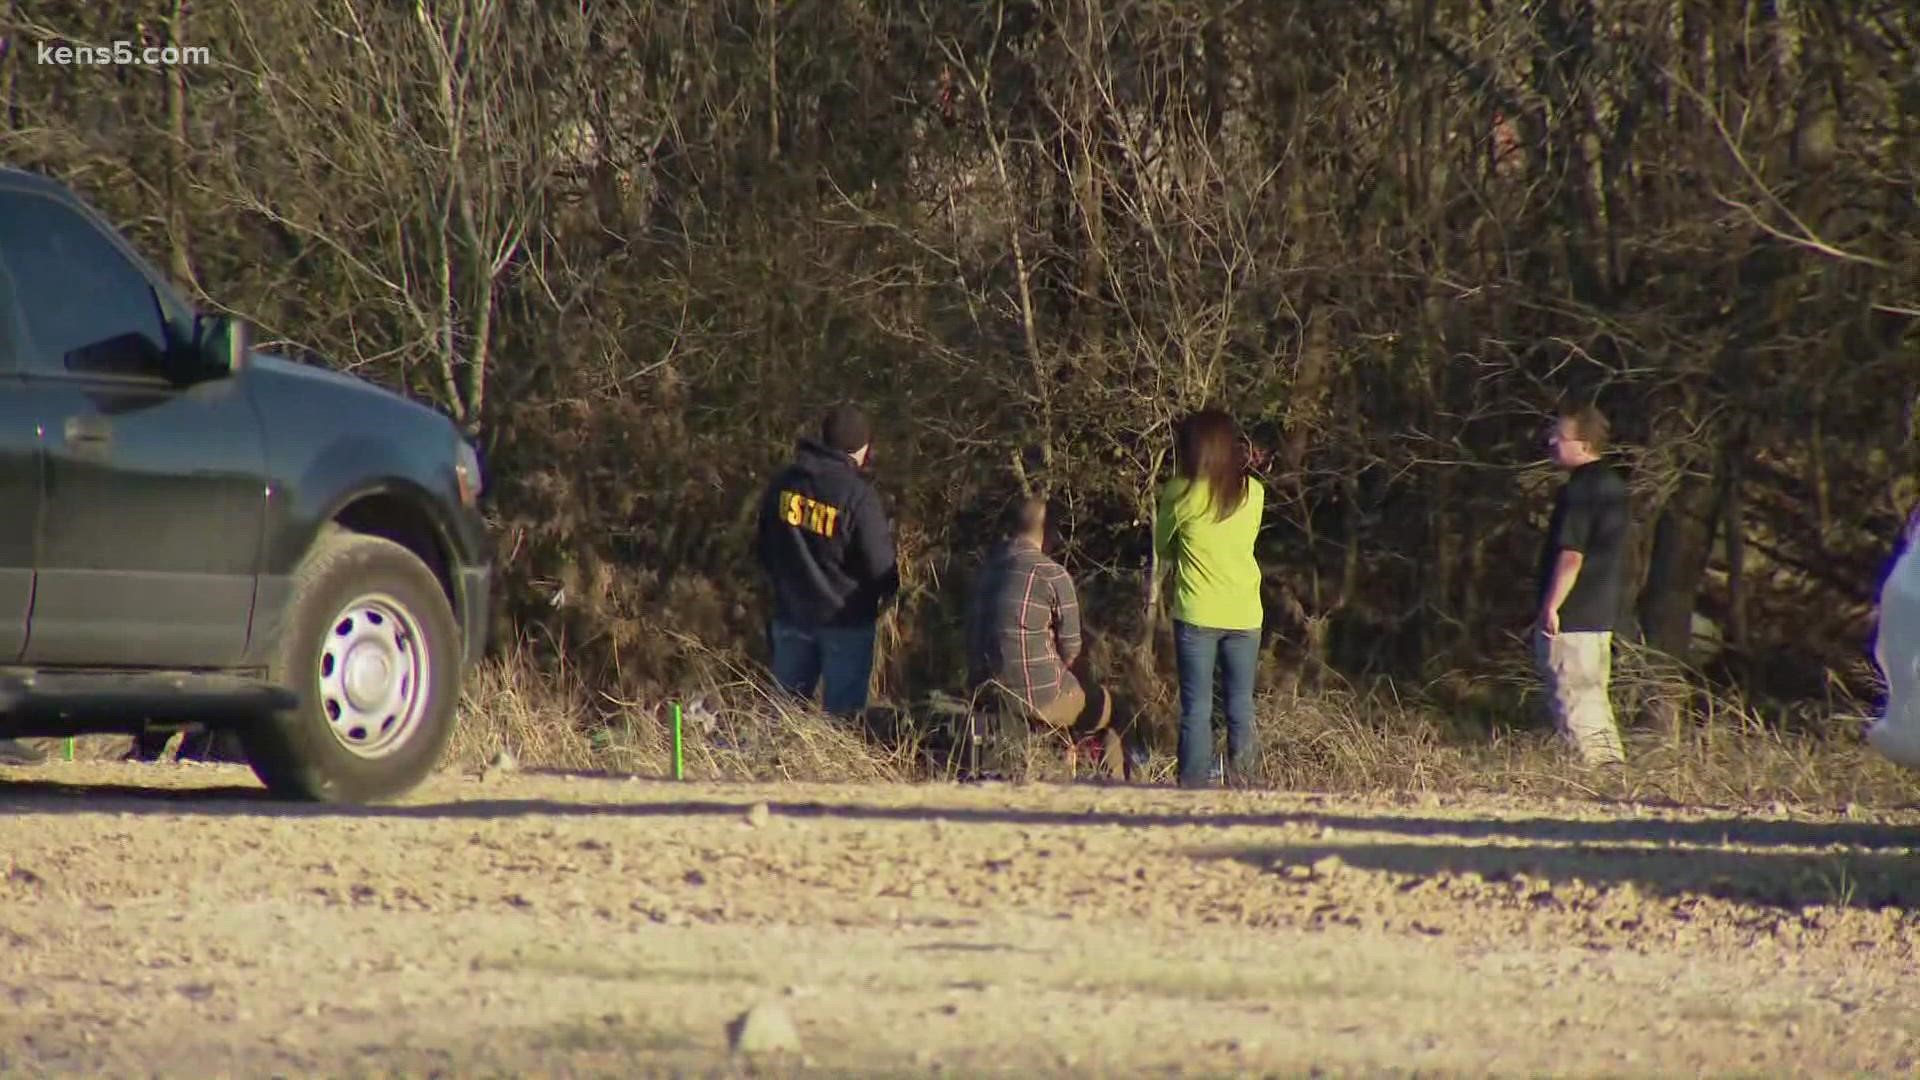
x: 1203, y: 531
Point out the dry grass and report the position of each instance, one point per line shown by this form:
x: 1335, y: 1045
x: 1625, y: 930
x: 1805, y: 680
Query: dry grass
x: 1685, y: 745
x: 85, y: 747
x: 735, y: 726
x: 1370, y: 742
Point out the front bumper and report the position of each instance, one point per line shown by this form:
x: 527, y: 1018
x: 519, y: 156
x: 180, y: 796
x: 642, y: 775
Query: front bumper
x: 475, y: 586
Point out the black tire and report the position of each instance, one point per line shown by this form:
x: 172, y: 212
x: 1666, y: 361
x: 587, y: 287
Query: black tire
x: 357, y: 594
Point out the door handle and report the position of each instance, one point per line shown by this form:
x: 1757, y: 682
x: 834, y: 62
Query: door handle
x: 88, y: 429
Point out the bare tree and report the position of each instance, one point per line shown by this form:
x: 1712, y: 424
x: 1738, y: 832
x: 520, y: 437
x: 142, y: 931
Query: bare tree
x: 413, y: 148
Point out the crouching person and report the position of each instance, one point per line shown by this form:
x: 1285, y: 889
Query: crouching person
x: 1024, y: 636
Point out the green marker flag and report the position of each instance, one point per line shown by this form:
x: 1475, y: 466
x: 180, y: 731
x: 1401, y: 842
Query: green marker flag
x: 679, y: 761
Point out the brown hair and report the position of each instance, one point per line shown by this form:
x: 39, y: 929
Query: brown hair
x: 1209, y: 449
x: 1590, y: 422
x: 1022, y: 514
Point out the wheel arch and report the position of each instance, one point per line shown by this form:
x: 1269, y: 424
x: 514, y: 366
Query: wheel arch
x: 396, y: 508
x: 406, y: 518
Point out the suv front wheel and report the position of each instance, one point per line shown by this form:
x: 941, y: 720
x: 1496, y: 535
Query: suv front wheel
x: 370, y: 649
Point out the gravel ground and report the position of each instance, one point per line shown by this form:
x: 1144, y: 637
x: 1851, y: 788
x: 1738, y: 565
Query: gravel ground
x: 171, y: 920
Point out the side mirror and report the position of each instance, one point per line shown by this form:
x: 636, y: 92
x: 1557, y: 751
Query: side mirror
x: 222, y: 343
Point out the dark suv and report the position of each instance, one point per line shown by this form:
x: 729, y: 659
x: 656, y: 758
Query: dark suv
x: 200, y: 536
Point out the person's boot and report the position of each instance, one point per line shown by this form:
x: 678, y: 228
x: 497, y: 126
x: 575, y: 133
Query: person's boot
x: 148, y: 746
x: 1115, y: 766
x: 17, y: 752
x: 212, y: 746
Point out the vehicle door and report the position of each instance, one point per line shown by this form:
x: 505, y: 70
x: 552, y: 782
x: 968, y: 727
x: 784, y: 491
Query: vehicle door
x: 20, y: 473
x: 154, y: 491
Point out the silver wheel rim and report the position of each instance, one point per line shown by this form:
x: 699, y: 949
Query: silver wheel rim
x: 373, y: 673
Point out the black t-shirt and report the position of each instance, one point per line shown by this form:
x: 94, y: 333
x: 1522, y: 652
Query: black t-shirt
x: 1589, y: 516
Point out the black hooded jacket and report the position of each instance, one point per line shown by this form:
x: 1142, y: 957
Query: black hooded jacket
x: 825, y: 542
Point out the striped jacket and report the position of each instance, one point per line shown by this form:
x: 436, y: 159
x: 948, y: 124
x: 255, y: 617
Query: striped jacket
x: 1023, y: 624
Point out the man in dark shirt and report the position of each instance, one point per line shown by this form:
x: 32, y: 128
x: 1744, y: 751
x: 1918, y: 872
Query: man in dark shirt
x: 1580, y: 586
x: 827, y: 548
x: 1025, y: 637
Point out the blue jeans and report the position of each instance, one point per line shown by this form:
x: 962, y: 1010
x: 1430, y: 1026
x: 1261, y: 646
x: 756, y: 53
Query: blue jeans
x: 1199, y: 650
x: 839, y: 656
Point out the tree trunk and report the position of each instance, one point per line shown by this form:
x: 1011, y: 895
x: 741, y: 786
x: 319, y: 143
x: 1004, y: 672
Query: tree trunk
x: 1312, y: 376
x: 1734, y: 533
x: 1353, y: 524
x: 1436, y: 589
x: 178, y: 156
x: 1682, y: 542
x: 1476, y: 542
x: 1817, y: 457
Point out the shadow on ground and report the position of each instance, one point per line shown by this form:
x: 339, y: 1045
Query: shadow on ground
x: 1783, y: 879
x: 33, y: 796
x: 1862, y: 864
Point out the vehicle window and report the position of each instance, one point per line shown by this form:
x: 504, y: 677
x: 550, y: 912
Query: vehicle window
x: 87, y: 308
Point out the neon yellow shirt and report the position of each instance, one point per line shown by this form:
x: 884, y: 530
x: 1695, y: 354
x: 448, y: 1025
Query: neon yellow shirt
x: 1216, y: 582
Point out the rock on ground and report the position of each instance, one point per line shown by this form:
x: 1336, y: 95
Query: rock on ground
x: 764, y: 1029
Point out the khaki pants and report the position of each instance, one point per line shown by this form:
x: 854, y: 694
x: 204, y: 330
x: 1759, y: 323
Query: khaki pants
x: 1088, y: 711
x: 1576, y: 667
x: 1086, y: 708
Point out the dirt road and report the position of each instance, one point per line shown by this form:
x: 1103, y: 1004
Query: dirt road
x: 169, y: 920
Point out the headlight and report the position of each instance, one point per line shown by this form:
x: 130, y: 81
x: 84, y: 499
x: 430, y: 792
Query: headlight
x: 466, y: 472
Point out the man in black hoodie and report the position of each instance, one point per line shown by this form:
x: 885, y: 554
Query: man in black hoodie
x: 827, y: 547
